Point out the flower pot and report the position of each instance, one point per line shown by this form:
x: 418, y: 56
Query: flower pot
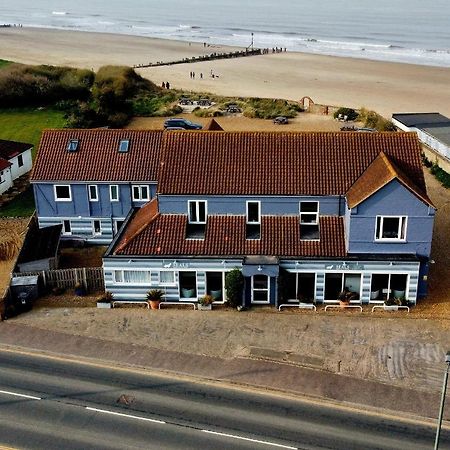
x: 154, y: 304
x: 343, y: 303
x: 204, y: 307
x: 390, y: 307
x: 104, y: 305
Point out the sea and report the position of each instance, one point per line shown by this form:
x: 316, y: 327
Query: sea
x: 408, y: 31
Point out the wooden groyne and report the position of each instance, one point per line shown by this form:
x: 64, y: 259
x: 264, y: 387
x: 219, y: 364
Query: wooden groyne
x: 209, y: 57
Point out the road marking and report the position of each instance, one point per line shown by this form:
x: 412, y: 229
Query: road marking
x: 273, y: 444
x: 130, y: 416
x: 31, y: 397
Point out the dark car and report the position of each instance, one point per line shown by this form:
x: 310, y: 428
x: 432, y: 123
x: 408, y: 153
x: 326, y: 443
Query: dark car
x: 233, y: 108
x: 280, y: 120
x: 204, y: 102
x: 182, y: 123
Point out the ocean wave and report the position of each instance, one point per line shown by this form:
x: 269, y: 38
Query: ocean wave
x: 59, y: 13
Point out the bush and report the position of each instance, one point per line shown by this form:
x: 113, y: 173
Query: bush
x: 349, y: 112
x: 234, y: 286
x: 441, y: 175
x: 371, y: 119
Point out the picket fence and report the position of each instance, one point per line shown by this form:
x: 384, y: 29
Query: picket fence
x: 91, y: 278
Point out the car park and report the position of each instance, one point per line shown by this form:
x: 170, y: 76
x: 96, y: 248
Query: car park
x: 280, y: 120
x: 184, y: 124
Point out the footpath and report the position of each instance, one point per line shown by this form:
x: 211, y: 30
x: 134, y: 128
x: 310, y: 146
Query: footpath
x: 262, y: 374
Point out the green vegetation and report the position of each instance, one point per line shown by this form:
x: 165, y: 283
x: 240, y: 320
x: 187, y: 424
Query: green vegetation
x: 22, y: 85
x: 234, y: 286
x: 440, y: 174
x: 21, y: 206
x: 4, y: 63
x: 371, y: 119
x: 267, y: 108
x: 26, y: 125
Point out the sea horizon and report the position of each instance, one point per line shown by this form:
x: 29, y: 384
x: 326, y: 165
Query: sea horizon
x: 363, y: 31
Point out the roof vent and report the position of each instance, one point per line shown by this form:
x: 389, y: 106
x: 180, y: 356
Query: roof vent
x: 72, y: 145
x: 123, y: 145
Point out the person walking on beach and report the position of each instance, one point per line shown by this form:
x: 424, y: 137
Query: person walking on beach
x: 163, y: 85
x: 193, y: 75
x: 201, y: 75
x: 167, y: 85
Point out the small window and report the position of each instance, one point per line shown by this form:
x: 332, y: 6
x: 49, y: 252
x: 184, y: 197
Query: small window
x: 118, y: 224
x: 390, y: 228
x: 114, y: 193
x: 254, y: 212
x: 93, y: 193
x: 124, y: 145
x: 140, y: 193
x: 118, y: 276
x: 20, y: 160
x: 309, y: 221
x: 96, y: 227
x: 166, y: 277
x: 63, y: 193
x: 72, y: 145
x: 197, y: 211
x: 67, y: 227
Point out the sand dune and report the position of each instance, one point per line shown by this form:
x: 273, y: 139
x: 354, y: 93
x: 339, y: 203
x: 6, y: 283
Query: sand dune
x: 385, y: 87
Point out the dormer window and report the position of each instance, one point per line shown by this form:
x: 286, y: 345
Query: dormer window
x: 253, y: 220
x: 390, y: 228
x: 309, y: 220
x: 196, y: 226
x: 72, y: 145
x: 124, y: 145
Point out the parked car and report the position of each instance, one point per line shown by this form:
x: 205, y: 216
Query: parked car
x: 185, y: 124
x: 204, y: 102
x: 185, y: 101
x: 280, y: 120
x: 233, y: 108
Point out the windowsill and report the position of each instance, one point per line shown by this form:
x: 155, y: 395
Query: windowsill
x: 63, y: 200
x: 390, y: 240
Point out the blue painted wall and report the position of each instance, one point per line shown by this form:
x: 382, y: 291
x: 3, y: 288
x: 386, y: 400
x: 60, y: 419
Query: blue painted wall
x: 393, y: 199
x: 46, y: 206
x: 329, y: 206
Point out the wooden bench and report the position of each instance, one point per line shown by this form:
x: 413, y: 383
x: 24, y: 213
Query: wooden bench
x: 130, y: 302
x: 176, y: 303
x: 343, y: 306
x: 300, y: 306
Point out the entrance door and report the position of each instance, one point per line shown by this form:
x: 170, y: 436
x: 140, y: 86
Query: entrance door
x: 260, y: 289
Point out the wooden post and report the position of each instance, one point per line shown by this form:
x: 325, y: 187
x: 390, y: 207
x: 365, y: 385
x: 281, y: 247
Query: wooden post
x: 85, y: 279
x: 44, y: 279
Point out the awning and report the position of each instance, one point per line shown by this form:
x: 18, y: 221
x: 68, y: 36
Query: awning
x: 260, y: 265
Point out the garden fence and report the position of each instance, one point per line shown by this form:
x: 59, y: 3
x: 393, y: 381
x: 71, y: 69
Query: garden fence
x: 91, y: 278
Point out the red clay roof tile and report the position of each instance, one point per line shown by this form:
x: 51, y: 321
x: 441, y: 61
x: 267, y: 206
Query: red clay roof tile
x: 97, y: 157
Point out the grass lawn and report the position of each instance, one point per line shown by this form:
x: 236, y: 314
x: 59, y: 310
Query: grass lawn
x: 26, y: 125
x: 21, y: 206
x: 4, y: 63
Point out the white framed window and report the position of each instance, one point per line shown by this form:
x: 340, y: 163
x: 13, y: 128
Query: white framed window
x: 72, y: 145
x: 309, y: 213
x: 166, y: 277
x: 67, y: 227
x: 93, y: 192
x: 114, y: 192
x: 63, y: 192
x: 260, y: 289
x: 140, y: 193
x: 197, y: 210
x: 391, y: 228
x: 132, y: 277
x: 253, y: 209
x: 117, y: 224
x: 96, y: 227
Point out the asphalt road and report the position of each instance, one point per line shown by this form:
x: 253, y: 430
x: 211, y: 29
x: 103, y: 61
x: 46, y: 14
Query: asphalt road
x: 47, y: 403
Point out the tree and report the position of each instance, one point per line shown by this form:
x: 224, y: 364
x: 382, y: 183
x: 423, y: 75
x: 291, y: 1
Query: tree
x: 234, y: 285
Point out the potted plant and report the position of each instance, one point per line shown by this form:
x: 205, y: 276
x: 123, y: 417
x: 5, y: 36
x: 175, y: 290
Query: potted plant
x: 105, y: 300
x: 344, y: 298
x: 390, y: 304
x: 155, y: 297
x: 205, y: 303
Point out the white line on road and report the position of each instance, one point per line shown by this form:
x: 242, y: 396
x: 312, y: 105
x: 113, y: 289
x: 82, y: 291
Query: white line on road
x: 20, y: 395
x: 146, y: 419
x: 273, y: 444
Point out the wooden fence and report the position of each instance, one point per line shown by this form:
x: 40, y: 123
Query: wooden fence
x: 90, y: 277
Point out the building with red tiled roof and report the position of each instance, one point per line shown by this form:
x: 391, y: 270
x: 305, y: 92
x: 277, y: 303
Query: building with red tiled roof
x: 15, y: 161
x: 319, y: 214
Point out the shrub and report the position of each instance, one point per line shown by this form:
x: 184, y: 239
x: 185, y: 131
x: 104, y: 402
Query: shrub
x: 206, y: 300
x: 155, y: 295
x: 372, y: 119
x: 349, y: 112
x: 441, y: 175
x: 234, y: 286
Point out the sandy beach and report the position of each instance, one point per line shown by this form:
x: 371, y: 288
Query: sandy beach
x: 382, y: 86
